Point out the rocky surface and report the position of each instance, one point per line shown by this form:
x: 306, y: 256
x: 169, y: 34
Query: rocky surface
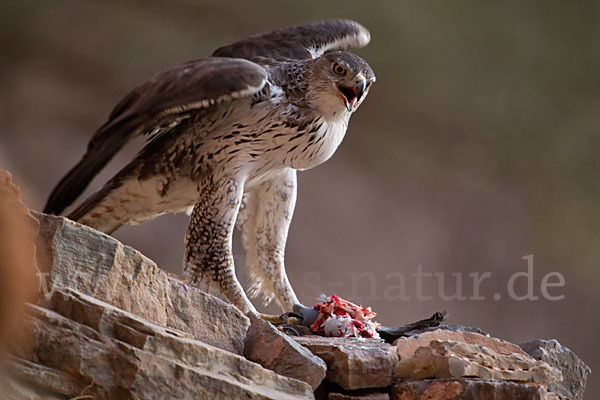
x: 83, y: 346
x: 276, y: 351
x: 445, y: 359
x: 406, y: 346
x: 109, y: 324
x: 354, y: 363
x: 358, y: 395
x: 78, y: 257
x: 468, y: 389
x: 574, y: 371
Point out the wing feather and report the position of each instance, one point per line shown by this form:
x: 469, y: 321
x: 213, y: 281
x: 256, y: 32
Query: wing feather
x: 158, y: 102
x: 299, y: 42
x: 234, y: 71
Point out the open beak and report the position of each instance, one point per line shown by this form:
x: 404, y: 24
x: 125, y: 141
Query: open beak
x: 352, y: 94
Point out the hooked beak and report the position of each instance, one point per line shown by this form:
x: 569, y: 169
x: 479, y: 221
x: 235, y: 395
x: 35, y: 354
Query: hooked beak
x: 352, y: 94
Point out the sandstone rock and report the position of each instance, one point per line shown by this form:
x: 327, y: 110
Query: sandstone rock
x: 574, y: 371
x: 453, y: 328
x: 113, y: 325
x: 445, y: 359
x: 406, y: 346
x: 78, y: 257
x: 468, y: 389
x: 354, y: 363
x: 88, y: 347
x: 41, y: 376
x: 276, y: 351
x: 359, y: 396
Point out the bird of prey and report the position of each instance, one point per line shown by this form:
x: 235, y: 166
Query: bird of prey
x: 226, y: 135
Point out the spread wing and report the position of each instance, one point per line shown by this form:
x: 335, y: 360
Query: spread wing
x: 299, y: 42
x: 156, y: 105
x: 161, y: 102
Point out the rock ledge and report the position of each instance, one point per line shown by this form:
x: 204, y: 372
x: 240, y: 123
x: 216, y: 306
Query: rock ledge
x: 109, y: 324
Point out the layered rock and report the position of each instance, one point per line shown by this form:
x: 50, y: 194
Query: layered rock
x: 445, y: 359
x: 278, y: 352
x: 406, y: 346
x: 85, y: 347
x: 78, y: 257
x: 468, y: 389
x: 109, y: 324
x: 574, y: 371
x: 354, y: 363
x: 438, y: 364
x: 358, y: 395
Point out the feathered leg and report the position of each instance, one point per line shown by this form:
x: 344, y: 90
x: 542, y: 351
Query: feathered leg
x: 268, y: 212
x: 208, y: 258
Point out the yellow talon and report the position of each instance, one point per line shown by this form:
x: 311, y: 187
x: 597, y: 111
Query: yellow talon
x: 280, y: 319
x: 293, y: 321
x: 274, y: 319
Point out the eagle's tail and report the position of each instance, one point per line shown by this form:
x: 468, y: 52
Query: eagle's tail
x: 109, y: 139
x: 75, y: 182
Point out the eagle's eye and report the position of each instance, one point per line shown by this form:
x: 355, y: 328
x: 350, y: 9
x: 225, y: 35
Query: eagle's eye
x: 338, y: 69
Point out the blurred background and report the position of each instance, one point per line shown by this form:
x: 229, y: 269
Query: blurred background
x: 476, y: 147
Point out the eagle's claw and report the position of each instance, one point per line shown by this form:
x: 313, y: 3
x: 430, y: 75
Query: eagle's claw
x: 274, y: 319
x: 301, y: 315
x: 288, y: 318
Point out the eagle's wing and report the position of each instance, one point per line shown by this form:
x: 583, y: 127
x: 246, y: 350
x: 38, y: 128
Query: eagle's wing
x: 298, y: 42
x: 155, y: 105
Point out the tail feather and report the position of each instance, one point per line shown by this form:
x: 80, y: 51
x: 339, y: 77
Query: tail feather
x: 109, y: 139
x: 75, y: 182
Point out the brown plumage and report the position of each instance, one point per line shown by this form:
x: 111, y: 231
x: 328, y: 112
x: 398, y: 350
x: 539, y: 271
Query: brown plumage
x: 226, y: 137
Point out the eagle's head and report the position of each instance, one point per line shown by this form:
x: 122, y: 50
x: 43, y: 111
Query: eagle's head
x: 340, y: 82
